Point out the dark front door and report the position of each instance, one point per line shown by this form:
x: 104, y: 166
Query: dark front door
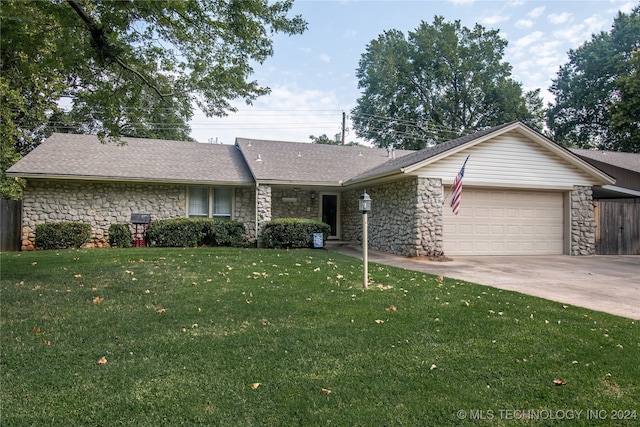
x: 330, y: 212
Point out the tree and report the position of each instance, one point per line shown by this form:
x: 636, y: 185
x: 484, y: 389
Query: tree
x: 597, y: 91
x: 128, y: 68
x: 441, y: 81
x: 324, y: 139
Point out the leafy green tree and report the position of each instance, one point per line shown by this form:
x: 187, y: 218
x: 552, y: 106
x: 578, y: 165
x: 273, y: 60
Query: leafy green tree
x: 625, y: 113
x: 133, y: 68
x: 324, y: 139
x: 441, y: 81
x: 595, y: 92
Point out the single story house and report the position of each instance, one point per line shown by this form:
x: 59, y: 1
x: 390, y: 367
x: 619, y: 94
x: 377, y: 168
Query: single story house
x: 617, y: 207
x: 523, y: 194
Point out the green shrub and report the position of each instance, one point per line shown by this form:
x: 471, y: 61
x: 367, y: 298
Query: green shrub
x: 120, y: 236
x: 292, y: 232
x: 192, y: 232
x: 62, y: 235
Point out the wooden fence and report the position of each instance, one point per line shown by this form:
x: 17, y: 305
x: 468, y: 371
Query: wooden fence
x: 618, y: 231
x: 10, y: 225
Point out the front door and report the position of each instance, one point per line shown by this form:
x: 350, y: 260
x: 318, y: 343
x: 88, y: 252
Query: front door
x: 330, y: 213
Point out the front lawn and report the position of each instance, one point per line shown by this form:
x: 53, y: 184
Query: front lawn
x: 277, y: 338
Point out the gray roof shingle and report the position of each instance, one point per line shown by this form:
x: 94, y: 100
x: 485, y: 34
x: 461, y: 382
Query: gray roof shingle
x: 310, y: 163
x: 629, y: 161
x: 84, y: 156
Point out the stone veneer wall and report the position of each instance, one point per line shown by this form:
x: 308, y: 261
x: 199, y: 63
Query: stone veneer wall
x: 245, y: 209
x: 283, y: 206
x: 583, y: 222
x: 97, y: 203
x: 264, y: 207
x: 406, y: 218
x: 101, y: 204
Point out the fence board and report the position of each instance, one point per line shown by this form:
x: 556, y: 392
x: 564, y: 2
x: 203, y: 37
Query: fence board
x: 619, y: 223
x: 10, y: 225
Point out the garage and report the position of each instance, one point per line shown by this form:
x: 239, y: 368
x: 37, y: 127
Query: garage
x: 505, y: 222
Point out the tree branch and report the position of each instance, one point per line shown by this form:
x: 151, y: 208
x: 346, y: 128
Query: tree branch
x: 107, y: 51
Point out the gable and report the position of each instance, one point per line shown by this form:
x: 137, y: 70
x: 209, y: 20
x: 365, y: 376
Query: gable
x: 512, y: 159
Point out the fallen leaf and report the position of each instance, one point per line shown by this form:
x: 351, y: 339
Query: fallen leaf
x: 325, y: 391
x: 559, y: 382
x: 433, y: 366
x: 36, y: 330
x: 183, y: 330
x: 378, y: 321
x: 98, y: 300
x: 440, y: 279
x: 391, y: 308
x: 102, y: 360
x: 77, y: 276
x: 264, y: 322
x: 254, y: 386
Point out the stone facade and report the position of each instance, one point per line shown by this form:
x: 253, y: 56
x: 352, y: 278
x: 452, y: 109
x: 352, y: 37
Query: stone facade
x: 101, y: 204
x: 583, y: 222
x: 406, y: 218
x: 291, y: 203
x: 264, y: 207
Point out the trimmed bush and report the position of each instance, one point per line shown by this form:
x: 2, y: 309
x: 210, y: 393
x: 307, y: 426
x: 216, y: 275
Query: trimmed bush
x: 62, y: 235
x: 120, y: 236
x: 192, y: 232
x: 292, y: 232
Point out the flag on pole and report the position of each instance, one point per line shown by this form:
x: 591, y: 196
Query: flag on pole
x: 457, y: 189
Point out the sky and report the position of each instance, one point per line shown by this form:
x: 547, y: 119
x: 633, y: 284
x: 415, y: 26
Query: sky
x: 312, y: 76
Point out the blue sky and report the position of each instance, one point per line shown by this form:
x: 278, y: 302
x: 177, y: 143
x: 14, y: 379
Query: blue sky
x: 312, y: 76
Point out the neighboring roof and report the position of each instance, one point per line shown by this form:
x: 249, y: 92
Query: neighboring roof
x: 629, y: 161
x: 85, y: 157
x: 283, y: 162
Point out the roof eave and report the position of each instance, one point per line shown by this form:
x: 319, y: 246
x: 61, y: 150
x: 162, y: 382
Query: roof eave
x: 141, y: 180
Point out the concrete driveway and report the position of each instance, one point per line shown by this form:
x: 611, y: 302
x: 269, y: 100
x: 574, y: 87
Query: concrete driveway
x: 605, y: 283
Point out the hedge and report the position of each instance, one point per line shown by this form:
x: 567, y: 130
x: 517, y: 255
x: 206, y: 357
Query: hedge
x: 192, y: 232
x: 292, y: 232
x: 62, y: 235
x: 120, y: 236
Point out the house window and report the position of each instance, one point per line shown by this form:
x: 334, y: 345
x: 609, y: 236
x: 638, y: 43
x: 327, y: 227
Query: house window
x: 206, y: 202
x: 222, y: 203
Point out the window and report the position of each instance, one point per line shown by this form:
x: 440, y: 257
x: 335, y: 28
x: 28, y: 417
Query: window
x: 199, y: 201
x: 222, y: 203
x: 208, y: 202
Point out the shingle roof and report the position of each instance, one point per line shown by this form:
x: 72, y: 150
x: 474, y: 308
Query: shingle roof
x: 311, y: 163
x: 84, y: 156
x: 424, y: 154
x: 630, y: 161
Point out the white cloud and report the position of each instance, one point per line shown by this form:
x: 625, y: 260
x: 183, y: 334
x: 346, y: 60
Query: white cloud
x: 325, y: 58
x: 536, y: 12
x: 624, y: 8
x: 288, y: 113
x: 461, y: 2
x: 492, y: 20
x: 559, y: 18
x: 524, y: 23
x: 528, y: 39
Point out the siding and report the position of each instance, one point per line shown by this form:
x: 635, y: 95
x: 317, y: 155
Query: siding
x: 509, y: 160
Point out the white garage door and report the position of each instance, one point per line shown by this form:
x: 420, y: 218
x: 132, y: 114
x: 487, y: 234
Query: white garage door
x: 504, y: 222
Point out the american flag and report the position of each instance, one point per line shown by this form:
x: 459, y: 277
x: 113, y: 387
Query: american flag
x: 457, y: 189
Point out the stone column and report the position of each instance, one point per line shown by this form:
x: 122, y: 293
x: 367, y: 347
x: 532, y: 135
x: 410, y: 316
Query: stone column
x: 429, y: 217
x: 263, y: 201
x: 583, y: 223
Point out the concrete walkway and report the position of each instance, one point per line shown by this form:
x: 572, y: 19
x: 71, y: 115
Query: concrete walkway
x: 607, y: 283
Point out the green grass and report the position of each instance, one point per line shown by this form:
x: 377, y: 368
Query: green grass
x: 186, y: 331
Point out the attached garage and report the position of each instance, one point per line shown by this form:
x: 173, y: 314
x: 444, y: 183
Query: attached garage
x: 505, y: 222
